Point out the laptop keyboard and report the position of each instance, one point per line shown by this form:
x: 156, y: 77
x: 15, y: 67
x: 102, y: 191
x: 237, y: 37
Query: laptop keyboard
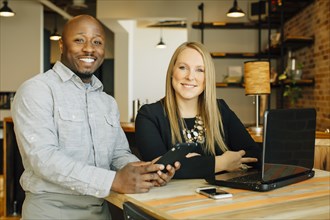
x: 250, y: 178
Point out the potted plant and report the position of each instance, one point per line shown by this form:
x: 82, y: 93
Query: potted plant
x: 291, y: 89
x: 293, y: 92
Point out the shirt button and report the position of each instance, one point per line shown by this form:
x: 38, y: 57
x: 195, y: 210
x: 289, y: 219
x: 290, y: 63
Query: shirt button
x: 73, y: 116
x: 72, y: 188
x: 97, y: 193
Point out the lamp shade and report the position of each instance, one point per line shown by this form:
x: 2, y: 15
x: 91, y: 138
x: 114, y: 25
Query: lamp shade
x: 5, y: 11
x: 235, y: 11
x: 256, y: 77
x: 161, y: 44
x: 55, y: 36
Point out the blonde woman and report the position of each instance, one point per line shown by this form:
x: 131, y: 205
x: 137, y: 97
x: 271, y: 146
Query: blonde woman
x: 190, y: 112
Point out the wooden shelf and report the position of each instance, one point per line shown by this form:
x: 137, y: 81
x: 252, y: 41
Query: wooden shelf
x: 301, y: 82
x: 291, y: 42
x: 225, y: 84
x: 244, y: 55
x: 230, y: 25
x: 290, y: 9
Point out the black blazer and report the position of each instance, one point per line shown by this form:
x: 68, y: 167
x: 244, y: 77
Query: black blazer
x: 153, y: 139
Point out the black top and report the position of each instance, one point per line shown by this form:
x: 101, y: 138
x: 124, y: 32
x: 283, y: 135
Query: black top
x: 153, y: 139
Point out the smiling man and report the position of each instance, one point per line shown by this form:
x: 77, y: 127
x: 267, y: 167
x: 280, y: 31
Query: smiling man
x: 69, y: 136
x: 83, y: 51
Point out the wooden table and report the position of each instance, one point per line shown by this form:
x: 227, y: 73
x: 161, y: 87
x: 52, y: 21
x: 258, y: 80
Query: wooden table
x: 309, y: 199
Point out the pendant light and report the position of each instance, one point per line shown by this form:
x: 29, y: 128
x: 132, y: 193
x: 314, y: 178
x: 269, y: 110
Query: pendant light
x: 55, y: 36
x: 235, y: 11
x: 5, y: 11
x: 161, y: 44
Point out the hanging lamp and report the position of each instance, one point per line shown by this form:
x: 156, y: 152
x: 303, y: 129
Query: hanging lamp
x: 5, y: 11
x: 55, y: 36
x: 161, y: 44
x: 235, y: 11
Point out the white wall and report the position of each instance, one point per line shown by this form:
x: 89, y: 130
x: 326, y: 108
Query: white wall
x: 138, y: 72
x: 21, y: 45
x: 150, y: 63
x: 216, y: 40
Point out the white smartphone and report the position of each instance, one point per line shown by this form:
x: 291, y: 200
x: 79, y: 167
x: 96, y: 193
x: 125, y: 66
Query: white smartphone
x: 213, y: 192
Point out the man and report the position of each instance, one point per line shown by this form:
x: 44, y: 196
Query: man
x: 69, y: 136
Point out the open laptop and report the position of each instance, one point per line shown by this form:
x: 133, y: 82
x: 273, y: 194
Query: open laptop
x: 288, y: 152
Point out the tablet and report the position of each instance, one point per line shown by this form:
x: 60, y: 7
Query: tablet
x: 177, y: 153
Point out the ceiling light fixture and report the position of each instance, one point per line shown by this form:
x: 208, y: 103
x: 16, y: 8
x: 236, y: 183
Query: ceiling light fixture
x: 235, y: 11
x: 55, y: 36
x: 161, y: 44
x: 5, y: 11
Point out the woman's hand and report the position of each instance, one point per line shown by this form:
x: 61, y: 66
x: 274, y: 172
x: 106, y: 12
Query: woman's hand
x: 232, y: 160
x: 192, y: 155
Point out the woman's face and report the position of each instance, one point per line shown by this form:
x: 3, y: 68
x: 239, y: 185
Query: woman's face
x: 188, y: 79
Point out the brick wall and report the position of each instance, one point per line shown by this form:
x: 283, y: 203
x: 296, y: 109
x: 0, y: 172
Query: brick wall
x: 314, y: 21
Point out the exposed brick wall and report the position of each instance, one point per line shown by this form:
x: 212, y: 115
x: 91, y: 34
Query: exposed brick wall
x: 314, y: 20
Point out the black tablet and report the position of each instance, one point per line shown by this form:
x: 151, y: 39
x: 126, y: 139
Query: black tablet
x: 176, y: 153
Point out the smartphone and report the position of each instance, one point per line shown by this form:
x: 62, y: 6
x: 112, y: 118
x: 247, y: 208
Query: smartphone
x: 213, y: 192
x: 176, y: 153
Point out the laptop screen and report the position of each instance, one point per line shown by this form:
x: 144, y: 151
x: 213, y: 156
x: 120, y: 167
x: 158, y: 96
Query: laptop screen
x: 289, y: 142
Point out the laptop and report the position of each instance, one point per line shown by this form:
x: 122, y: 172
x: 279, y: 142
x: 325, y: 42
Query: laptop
x: 288, y: 152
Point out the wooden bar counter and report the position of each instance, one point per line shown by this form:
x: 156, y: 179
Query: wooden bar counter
x: 308, y: 199
x: 322, y: 145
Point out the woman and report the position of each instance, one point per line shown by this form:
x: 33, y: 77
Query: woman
x: 190, y: 112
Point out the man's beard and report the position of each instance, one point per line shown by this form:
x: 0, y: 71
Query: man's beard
x: 84, y: 75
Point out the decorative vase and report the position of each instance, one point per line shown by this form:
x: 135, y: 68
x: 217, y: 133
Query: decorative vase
x: 297, y: 74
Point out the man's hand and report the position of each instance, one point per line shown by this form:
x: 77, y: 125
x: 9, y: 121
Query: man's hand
x: 138, y: 177
x: 165, y: 177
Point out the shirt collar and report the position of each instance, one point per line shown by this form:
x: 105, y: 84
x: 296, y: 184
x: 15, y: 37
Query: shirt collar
x: 66, y: 74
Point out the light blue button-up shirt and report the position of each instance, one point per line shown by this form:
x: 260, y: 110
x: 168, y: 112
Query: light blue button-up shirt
x: 69, y: 135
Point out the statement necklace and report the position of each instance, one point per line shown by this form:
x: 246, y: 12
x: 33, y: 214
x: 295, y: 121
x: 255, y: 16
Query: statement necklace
x: 197, y: 133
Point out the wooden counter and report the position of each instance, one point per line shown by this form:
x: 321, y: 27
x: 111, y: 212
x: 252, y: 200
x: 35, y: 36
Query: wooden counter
x: 128, y: 127
x: 177, y: 200
x: 322, y: 145
x: 322, y: 149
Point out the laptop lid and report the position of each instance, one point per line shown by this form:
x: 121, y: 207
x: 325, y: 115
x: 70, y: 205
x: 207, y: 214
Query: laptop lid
x: 288, y: 152
x: 289, y: 142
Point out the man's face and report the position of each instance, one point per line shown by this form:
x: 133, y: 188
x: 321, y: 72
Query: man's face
x: 82, y: 46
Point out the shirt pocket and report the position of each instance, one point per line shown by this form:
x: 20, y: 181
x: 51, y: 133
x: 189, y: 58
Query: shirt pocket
x: 109, y: 136
x: 112, y: 121
x: 111, y: 131
x: 70, y: 128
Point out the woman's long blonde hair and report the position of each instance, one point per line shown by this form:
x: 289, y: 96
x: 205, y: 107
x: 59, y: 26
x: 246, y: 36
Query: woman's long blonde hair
x: 207, y: 102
